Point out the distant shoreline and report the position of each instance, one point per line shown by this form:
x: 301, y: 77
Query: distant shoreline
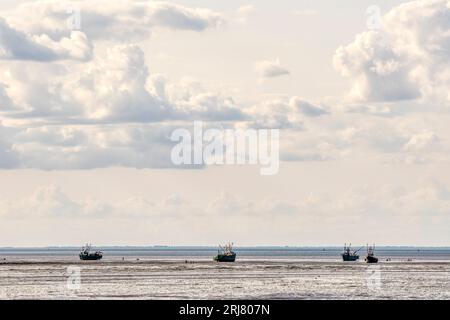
x: 185, y: 247
x: 199, y: 253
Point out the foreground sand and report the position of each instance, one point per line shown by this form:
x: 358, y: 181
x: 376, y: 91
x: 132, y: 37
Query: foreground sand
x: 151, y: 279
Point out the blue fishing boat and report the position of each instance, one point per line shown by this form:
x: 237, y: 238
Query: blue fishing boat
x: 348, y: 254
x: 225, y: 254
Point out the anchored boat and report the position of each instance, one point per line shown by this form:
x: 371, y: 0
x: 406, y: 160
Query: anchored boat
x: 348, y: 254
x: 225, y: 254
x: 86, y: 253
x: 370, y: 258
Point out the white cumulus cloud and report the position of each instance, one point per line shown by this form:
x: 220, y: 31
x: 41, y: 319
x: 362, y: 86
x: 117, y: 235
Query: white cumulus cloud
x: 408, y: 58
x: 270, y: 69
x: 111, y: 20
x: 17, y: 45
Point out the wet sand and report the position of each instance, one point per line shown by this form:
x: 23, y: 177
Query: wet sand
x: 258, y: 279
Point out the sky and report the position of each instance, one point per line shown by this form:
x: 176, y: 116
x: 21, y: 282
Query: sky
x: 90, y: 92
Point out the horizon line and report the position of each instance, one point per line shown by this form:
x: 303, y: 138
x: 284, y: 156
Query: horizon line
x: 211, y: 246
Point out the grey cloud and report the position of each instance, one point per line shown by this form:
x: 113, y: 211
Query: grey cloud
x: 90, y: 147
x: 8, y: 158
x: 307, y: 108
x: 284, y: 113
x: 16, y: 45
x: 270, y: 69
x: 112, y: 20
x: 5, y: 101
x: 177, y: 17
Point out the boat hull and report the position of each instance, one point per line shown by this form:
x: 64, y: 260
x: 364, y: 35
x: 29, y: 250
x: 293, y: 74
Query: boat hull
x: 349, y: 258
x: 370, y: 259
x: 91, y: 257
x: 225, y: 258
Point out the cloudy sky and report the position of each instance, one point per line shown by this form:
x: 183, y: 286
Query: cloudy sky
x: 359, y: 91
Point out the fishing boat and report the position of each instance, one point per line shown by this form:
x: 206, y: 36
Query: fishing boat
x: 370, y: 258
x: 86, y: 253
x: 225, y: 254
x: 348, y: 254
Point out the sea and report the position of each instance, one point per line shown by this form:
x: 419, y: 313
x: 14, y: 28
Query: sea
x: 165, y: 272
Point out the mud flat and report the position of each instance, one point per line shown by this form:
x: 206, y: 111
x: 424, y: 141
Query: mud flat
x: 166, y: 279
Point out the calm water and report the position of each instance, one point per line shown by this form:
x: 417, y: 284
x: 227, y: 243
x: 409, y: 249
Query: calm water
x: 190, y: 273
